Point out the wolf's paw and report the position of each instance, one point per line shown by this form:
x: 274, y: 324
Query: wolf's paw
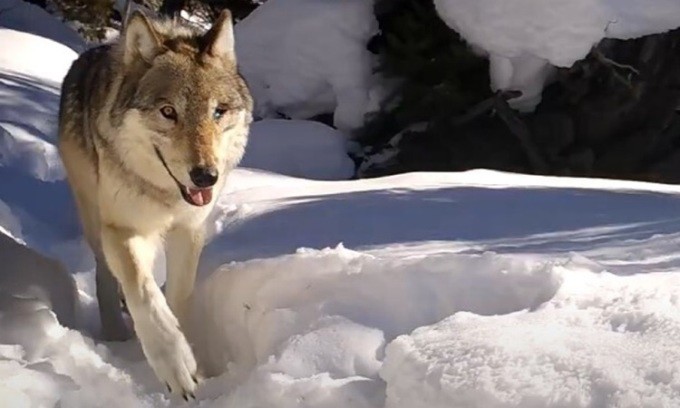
x: 168, y: 352
x: 174, y: 364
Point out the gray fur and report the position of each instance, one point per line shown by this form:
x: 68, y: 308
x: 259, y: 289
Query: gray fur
x: 99, y: 73
x: 129, y: 161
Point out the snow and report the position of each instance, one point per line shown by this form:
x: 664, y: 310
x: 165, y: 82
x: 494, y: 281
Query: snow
x: 307, y: 57
x: 30, y: 87
x: 298, y: 148
x: 474, y: 289
x: 28, y: 274
x: 525, y: 38
x: 601, y: 340
x: 29, y: 18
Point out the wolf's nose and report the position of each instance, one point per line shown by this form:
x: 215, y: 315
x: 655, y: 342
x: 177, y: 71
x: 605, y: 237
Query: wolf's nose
x: 203, y: 176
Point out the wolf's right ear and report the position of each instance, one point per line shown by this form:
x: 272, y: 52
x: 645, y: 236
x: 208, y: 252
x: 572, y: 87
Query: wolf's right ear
x: 220, y: 38
x: 140, y: 39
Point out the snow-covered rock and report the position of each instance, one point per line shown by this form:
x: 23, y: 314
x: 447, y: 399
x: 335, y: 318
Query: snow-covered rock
x: 307, y: 57
x: 524, y: 38
x: 298, y: 148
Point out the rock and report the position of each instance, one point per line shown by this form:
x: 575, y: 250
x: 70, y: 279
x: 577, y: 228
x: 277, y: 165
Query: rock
x: 668, y: 170
x: 484, y: 143
x: 626, y: 155
x: 581, y: 161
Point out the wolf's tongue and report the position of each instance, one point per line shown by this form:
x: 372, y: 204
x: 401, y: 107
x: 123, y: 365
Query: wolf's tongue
x: 200, y: 197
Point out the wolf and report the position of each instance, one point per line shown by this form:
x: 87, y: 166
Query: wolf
x: 149, y: 128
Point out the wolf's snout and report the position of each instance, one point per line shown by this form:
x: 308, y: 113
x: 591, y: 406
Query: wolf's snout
x: 203, y: 176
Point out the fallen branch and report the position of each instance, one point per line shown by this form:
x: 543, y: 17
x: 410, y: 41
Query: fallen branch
x: 603, y: 59
x: 520, y: 129
x: 483, y: 107
x: 608, y: 61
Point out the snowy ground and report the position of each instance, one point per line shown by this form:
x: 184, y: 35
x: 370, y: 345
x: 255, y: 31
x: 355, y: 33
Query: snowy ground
x: 476, y: 289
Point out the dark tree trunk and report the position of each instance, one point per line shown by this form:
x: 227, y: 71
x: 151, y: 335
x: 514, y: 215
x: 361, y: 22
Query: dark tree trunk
x: 40, y: 3
x: 239, y: 8
x: 172, y: 8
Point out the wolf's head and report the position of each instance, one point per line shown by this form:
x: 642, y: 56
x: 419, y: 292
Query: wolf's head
x: 182, y: 99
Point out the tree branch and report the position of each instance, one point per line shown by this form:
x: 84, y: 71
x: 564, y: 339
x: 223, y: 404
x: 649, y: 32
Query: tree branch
x: 483, y: 107
x: 538, y: 164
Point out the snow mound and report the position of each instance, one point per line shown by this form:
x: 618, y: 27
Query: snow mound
x: 524, y: 37
x: 287, y: 306
x: 44, y: 364
x: 22, y: 16
x: 298, y: 148
x: 307, y: 57
x: 25, y: 54
x: 29, y: 275
x: 16, y: 141
x: 603, y: 340
x: 9, y: 224
x: 29, y: 100
x: 329, y: 313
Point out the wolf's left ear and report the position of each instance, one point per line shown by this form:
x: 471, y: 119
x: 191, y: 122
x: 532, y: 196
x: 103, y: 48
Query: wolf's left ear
x: 220, y: 38
x: 140, y: 39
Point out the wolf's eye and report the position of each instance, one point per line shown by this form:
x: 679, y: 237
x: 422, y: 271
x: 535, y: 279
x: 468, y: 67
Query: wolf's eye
x: 218, y: 113
x: 169, y: 112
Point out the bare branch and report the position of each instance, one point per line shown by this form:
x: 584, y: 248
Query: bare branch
x: 607, y: 61
x: 538, y: 164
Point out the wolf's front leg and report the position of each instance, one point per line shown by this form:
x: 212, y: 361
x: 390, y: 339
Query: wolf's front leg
x: 110, y: 312
x: 131, y: 257
x: 182, y: 252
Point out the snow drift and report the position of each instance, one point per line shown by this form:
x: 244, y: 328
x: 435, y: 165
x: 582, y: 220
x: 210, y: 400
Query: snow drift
x: 602, y: 340
x: 286, y: 146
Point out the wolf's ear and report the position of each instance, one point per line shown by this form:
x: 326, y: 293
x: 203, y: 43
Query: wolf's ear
x: 140, y: 39
x: 220, y: 38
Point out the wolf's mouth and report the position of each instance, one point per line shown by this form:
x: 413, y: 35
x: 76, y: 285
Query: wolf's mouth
x: 194, y: 196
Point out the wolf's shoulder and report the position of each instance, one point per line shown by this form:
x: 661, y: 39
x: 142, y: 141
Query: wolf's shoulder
x: 96, y: 57
x: 90, y: 73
